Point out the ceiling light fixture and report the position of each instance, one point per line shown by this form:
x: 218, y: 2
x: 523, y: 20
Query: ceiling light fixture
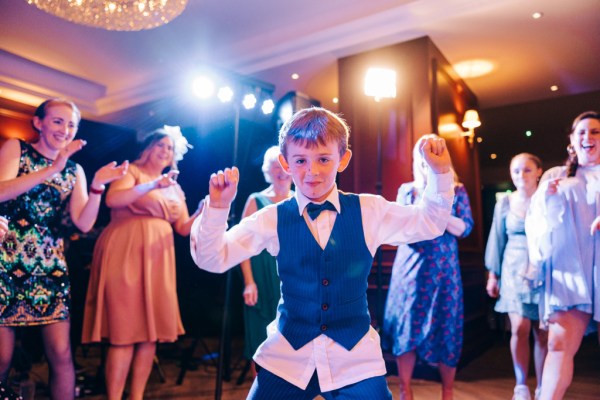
x: 537, y: 15
x: 473, y: 68
x: 114, y: 15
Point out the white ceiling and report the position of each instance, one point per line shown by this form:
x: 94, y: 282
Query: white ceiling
x: 107, y: 71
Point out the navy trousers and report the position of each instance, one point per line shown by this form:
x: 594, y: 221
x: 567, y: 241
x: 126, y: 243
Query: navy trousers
x: 268, y: 386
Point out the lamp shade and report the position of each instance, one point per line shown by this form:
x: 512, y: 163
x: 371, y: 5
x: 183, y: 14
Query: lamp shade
x: 471, y: 120
x: 380, y: 83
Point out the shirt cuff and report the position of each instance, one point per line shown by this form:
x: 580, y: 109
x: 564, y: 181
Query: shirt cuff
x: 215, y: 215
x: 439, y: 183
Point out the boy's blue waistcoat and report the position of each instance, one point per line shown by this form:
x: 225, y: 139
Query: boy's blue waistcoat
x: 323, y: 291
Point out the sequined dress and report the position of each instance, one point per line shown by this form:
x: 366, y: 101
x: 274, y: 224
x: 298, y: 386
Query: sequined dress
x: 34, y: 281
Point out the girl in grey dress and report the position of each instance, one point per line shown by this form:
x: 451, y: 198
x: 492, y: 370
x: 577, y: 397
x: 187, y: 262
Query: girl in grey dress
x: 506, y: 259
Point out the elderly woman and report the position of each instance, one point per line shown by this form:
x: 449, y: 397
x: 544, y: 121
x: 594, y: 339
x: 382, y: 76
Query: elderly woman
x: 261, y: 282
x: 424, y: 309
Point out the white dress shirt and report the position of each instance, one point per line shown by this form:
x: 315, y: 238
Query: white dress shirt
x: 216, y: 250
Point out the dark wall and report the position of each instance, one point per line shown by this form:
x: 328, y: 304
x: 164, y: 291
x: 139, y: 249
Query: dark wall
x: 428, y: 94
x: 503, y: 132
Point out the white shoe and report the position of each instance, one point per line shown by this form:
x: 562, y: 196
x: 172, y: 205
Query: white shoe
x: 538, y: 392
x: 521, y: 393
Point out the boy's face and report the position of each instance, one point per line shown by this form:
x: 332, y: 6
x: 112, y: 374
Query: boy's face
x: 313, y: 170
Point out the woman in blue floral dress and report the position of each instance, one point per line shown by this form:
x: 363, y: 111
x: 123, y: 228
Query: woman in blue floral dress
x: 424, y: 309
x: 39, y: 188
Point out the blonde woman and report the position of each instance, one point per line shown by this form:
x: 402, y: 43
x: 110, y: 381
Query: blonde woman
x: 506, y: 259
x: 132, y: 298
x: 424, y: 309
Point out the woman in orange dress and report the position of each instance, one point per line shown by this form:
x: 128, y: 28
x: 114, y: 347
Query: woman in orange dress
x: 132, y: 296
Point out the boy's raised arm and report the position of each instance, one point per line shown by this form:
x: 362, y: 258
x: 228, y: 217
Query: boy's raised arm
x: 214, y: 248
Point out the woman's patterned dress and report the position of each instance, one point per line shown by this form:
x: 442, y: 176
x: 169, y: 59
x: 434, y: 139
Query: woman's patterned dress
x: 424, y: 308
x: 34, y: 281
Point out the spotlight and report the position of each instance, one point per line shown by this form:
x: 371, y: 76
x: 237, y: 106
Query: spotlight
x: 203, y: 87
x: 267, y: 106
x: 249, y: 101
x: 225, y: 94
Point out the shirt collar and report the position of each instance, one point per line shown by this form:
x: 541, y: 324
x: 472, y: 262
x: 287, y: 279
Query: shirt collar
x: 333, y: 198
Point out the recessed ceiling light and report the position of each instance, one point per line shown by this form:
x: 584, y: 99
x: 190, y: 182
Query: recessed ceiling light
x: 474, y: 68
x: 493, y: 156
x: 554, y: 88
x: 479, y: 139
x: 537, y: 15
x: 295, y: 76
x: 335, y: 100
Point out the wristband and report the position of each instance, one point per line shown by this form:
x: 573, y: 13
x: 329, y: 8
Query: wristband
x: 96, y: 191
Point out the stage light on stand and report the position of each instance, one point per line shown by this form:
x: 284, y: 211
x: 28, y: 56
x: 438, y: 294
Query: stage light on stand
x: 249, y: 101
x: 225, y: 94
x: 267, y: 106
x: 203, y: 87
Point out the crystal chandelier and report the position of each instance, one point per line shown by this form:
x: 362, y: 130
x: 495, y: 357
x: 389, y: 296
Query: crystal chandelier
x: 114, y: 15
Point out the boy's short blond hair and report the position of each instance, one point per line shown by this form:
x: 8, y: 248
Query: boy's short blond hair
x: 314, y: 126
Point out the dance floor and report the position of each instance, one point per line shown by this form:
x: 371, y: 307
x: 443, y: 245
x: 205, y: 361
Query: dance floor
x: 488, y: 377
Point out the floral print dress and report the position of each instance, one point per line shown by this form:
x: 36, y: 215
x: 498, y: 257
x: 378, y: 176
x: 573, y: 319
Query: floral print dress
x: 424, y: 308
x: 34, y: 282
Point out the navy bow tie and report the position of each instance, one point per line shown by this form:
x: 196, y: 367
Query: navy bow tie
x: 314, y: 210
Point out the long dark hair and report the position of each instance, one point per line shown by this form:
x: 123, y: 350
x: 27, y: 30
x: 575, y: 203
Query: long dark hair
x: 572, y: 162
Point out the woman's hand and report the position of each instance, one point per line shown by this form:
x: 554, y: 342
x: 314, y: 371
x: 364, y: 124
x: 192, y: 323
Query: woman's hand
x: 492, y: 288
x: 64, y: 154
x: 552, y: 187
x: 108, y: 173
x: 166, y: 180
x: 250, y: 294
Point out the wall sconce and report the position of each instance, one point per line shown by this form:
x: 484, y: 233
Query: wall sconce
x: 470, y: 122
x: 380, y: 83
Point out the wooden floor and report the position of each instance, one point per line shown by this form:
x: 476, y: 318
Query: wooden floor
x: 489, y: 377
